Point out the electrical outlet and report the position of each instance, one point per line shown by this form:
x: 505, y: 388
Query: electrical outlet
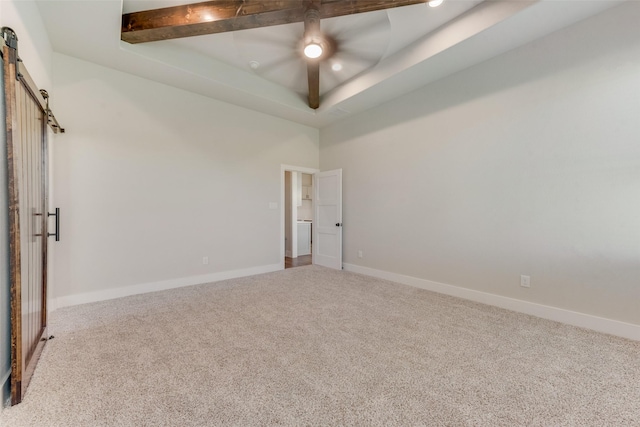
x: 525, y: 281
x: 205, y: 260
x: 360, y: 254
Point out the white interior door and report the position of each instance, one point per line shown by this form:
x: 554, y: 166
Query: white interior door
x: 327, y: 233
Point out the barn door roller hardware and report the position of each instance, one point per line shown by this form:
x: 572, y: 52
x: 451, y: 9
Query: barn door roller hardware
x: 10, y: 40
x: 51, y: 119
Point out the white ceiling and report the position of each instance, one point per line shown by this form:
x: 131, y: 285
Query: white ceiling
x: 384, y: 54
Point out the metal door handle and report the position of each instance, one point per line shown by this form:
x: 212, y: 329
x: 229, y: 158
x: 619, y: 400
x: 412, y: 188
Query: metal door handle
x: 39, y: 234
x: 338, y: 224
x: 57, y: 215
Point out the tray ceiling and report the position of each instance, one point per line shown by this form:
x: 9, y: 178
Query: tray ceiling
x: 384, y: 54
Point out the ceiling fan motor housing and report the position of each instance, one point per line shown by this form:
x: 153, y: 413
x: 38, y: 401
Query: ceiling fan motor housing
x: 313, y: 35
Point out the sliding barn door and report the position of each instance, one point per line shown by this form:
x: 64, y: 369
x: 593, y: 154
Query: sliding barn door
x: 26, y: 131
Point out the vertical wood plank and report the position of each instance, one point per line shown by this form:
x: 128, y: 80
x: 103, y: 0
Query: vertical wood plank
x: 45, y: 209
x: 27, y: 298
x: 30, y: 238
x: 13, y: 161
x: 25, y: 232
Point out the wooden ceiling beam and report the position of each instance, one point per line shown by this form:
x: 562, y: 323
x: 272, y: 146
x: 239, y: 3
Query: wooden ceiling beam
x: 208, y: 17
x: 220, y: 16
x: 312, y: 30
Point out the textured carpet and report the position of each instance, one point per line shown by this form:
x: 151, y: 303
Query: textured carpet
x: 313, y: 346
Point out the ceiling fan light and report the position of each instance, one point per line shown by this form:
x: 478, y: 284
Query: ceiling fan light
x: 435, y: 3
x: 313, y: 50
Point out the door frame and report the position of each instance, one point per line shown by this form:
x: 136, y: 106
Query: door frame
x: 290, y: 168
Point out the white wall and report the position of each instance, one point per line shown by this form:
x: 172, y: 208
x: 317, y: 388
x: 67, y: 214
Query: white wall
x: 526, y: 164
x: 35, y: 50
x: 151, y: 178
x: 34, y: 47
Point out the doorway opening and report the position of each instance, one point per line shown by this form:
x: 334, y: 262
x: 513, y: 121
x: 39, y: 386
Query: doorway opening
x: 298, y: 216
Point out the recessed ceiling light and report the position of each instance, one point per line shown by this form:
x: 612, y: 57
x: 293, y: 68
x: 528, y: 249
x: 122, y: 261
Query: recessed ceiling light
x: 336, y: 67
x: 435, y: 3
x: 254, y: 65
x: 313, y: 50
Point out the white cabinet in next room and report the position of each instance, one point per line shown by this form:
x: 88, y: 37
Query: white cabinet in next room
x: 307, y: 183
x: 304, y: 238
x: 306, y: 193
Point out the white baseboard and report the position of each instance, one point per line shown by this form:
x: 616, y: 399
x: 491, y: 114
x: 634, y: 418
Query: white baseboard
x: 143, y: 288
x: 599, y: 324
x: 287, y: 254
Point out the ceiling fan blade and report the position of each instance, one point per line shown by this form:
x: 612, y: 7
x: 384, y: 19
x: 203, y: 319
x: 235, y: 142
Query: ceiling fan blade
x: 299, y: 79
x: 362, y: 30
x: 333, y: 8
x: 313, y: 75
x: 276, y: 64
x: 348, y: 55
x: 361, y: 41
x: 329, y: 78
x: 281, y: 36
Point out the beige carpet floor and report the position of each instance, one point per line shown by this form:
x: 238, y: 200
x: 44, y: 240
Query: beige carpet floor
x: 312, y: 346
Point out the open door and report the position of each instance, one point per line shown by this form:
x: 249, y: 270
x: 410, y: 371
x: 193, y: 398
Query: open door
x: 27, y: 116
x: 327, y: 238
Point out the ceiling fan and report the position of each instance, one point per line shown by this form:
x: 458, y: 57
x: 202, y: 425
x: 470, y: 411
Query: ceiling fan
x: 315, y: 46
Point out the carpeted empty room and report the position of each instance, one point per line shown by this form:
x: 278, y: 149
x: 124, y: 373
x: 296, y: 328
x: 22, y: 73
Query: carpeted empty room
x: 314, y: 346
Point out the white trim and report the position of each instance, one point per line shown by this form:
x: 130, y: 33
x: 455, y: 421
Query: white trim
x: 6, y: 400
x: 302, y: 169
x: 288, y: 254
x: 599, y: 324
x: 143, y: 288
x: 293, y: 233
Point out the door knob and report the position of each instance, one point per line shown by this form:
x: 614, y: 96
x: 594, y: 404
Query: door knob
x: 338, y: 224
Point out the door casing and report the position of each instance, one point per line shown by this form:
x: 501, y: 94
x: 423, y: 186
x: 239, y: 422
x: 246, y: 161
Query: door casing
x: 289, y: 168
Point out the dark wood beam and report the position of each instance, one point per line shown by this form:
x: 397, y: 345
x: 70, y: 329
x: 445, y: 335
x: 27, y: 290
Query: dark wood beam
x: 208, y: 17
x: 311, y: 31
x: 313, y: 75
x: 220, y: 16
